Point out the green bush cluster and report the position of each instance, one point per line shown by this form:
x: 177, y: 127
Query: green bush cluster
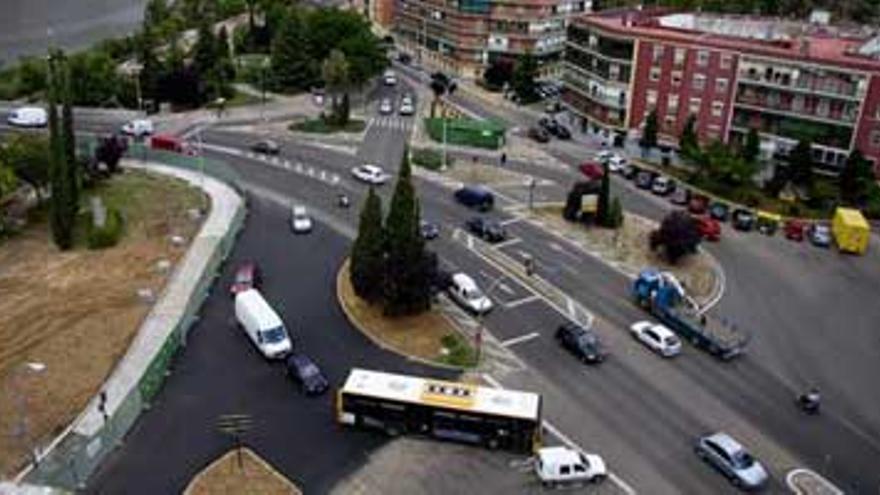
x: 109, y: 234
x: 430, y: 158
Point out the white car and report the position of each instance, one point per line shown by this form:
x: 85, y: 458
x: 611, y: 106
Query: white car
x: 138, y: 128
x: 406, y: 106
x: 28, y: 117
x: 385, y: 106
x: 371, y: 174
x: 465, y: 292
x: 561, y: 464
x: 300, y: 221
x: 616, y: 163
x: 389, y: 78
x: 657, y: 337
x: 604, y: 155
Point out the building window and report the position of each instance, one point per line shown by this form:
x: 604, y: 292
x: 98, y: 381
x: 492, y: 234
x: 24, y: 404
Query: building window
x: 726, y: 61
x: 669, y: 122
x: 652, y: 98
x: 694, y: 106
x: 699, y: 82
x: 875, y: 138
x: 703, y: 58
x: 679, y: 57
x: 655, y: 74
x: 717, y: 108
x: 672, y: 104
x: 594, y: 41
x: 658, y: 53
x: 613, y: 71
x: 676, y: 79
x: 721, y: 86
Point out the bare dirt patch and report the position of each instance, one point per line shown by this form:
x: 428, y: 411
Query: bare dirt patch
x: 425, y: 336
x: 77, y: 311
x: 629, y: 247
x: 234, y: 475
x: 481, y: 173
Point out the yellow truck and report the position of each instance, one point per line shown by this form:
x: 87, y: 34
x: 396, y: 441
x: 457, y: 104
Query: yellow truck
x: 851, y: 231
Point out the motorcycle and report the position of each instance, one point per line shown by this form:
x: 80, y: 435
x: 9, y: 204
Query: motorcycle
x: 344, y: 202
x: 809, y: 402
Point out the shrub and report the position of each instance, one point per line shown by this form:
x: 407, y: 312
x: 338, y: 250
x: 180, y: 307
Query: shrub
x: 430, y: 158
x: 678, y: 235
x: 109, y: 234
x: 615, y: 216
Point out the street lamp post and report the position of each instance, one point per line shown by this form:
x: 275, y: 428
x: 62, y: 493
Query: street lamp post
x: 264, y: 66
x: 443, y: 163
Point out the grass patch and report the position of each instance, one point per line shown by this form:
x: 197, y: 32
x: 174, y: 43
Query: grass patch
x: 430, y: 159
x: 241, y: 100
x: 320, y: 126
x: 460, y: 352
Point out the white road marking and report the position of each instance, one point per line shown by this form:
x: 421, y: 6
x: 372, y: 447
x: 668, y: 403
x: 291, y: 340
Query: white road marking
x: 520, y: 339
x: 510, y: 221
x: 505, y: 288
x: 509, y: 242
x: 722, y: 283
x: 522, y: 301
x: 617, y: 480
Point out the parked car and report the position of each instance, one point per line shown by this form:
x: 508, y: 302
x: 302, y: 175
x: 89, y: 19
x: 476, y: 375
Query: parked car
x: 656, y: 337
x: 767, y: 223
x: 407, y: 107
x: 819, y: 235
x: 386, y: 107
x: 555, y: 465
x: 371, y: 174
x: 709, y: 228
x: 476, y: 197
x: 582, y: 342
x: 138, y: 128
x: 429, y: 230
x: 28, y: 117
x: 697, y: 204
x: 467, y: 294
x: 300, y: 221
x: 247, y: 276
x: 644, y: 179
x: 539, y: 135
x: 302, y: 370
x: 488, y: 230
x: 719, y: 211
x: 743, y: 219
x: 726, y: 455
x: 168, y: 142
x: 630, y: 171
x: 604, y: 156
x: 680, y: 196
x: 553, y: 127
x: 389, y: 78
x: 662, y: 185
x: 616, y: 163
x: 592, y: 170
x: 262, y: 324
x: 794, y: 230
x: 266, y: 147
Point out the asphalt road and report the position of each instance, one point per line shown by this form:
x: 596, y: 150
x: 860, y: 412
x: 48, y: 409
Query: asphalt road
x: 220, y: 372
x: 74, y: 24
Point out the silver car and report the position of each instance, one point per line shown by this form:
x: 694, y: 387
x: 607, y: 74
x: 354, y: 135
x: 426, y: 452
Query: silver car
x: 726, y: 455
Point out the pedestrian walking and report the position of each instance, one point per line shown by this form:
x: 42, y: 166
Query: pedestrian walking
x: 503, y: 159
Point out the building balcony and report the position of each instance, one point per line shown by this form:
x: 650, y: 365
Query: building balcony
x: 583, y: 106
x: 617, y: 103
x: 788, y: 108
x: 602, y: 76
x: 801, y: 85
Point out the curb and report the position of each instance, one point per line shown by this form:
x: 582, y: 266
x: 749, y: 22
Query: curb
x: 294, y: 489
x: 377, y: 341
x: 821, y: 485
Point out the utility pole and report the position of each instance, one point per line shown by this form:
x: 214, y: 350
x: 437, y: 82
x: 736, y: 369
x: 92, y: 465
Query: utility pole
x: 22, y: 428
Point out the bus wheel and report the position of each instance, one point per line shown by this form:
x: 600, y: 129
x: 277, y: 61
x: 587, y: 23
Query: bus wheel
x: 492, y: 444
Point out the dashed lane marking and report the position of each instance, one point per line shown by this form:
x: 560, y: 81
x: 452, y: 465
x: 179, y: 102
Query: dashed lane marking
x: 520, y: 302
x: 520, y: 339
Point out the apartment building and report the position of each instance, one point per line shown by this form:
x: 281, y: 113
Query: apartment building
x: 786, y: 79
x: 465, y: 36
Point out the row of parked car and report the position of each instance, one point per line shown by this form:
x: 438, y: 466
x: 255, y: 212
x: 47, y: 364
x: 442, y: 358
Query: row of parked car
x: 548, y: 127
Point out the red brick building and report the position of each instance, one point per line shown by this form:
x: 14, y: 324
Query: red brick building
x: 464, y: 36
x: 788, y: 80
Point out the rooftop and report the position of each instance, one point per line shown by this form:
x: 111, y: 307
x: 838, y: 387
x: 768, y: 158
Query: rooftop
x: 854, y: 46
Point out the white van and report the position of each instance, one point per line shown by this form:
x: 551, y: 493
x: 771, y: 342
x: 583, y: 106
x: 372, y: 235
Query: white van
x: 561, y: 465
x: 138, y: 128
x: 262, y: 324
x: 28, y: 117
x: 465, y: 292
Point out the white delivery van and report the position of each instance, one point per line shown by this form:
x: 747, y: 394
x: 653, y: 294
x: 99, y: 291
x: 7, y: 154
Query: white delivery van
x: 262, y: 324
x: 28, y: 117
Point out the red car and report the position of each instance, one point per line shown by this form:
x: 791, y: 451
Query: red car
x: 697, y: 204
x: 592, y: 170
x: 709, y: 228
x: 247, y: 276
x: 168, y: 142
x: 794, y: 230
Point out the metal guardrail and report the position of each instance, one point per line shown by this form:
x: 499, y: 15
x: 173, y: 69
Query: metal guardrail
x: 73, y: 457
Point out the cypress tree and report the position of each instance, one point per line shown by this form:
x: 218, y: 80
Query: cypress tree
x: 72, y: 180
x: 752, y: 146
x: 59, y: 177
x: 368, y: 254
x: 649, y: 135
x: 407, y: 271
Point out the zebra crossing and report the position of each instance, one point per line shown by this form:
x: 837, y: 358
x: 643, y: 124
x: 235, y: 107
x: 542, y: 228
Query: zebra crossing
x: 391, y: 122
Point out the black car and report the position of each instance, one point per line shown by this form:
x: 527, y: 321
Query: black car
x: 539, y: 134
x: 743, y: 219
x: 476, y: 197
x: 553, y: 127
x: 719, y: 211
x: 429, y: 230
x: 630, y: 171
x: 304, y: 371
x: 583, y: 343
x: 266, y: 147
x: 488, y: 230
x: 644, y: 179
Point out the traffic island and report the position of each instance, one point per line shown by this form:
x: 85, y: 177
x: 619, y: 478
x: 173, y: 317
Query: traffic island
x: 627, y: 248
x: 240, y: 471
x: 429, y: 337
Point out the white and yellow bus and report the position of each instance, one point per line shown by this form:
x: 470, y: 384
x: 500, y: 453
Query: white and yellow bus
x: 462, y: 412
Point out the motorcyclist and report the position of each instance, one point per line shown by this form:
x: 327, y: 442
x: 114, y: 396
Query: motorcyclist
x: 810, y: 400
x: 343, y: 200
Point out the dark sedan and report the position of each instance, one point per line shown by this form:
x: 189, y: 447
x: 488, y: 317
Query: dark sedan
x: 429, y: 230
x: 539, y: 134
x: 302, y: 370
x: 488, y: 230
x: 266, y: 147
x: 581, y: 342
x: 719, y: 211
x: 743, y: 219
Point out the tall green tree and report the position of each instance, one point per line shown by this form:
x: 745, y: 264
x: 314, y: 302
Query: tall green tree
x: 525, y: 72
x: 688, y: 144
x: 71, y: 164
x: 649, y: 133
x: 292, y: 68
x: 61, y: 218
x: 367, y: 272
x: 752, y: 147
x: 335, y: 71
x: 800, y: 161
x: 856, y: 179
x: 93, y: 79
x: 407, y: 270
